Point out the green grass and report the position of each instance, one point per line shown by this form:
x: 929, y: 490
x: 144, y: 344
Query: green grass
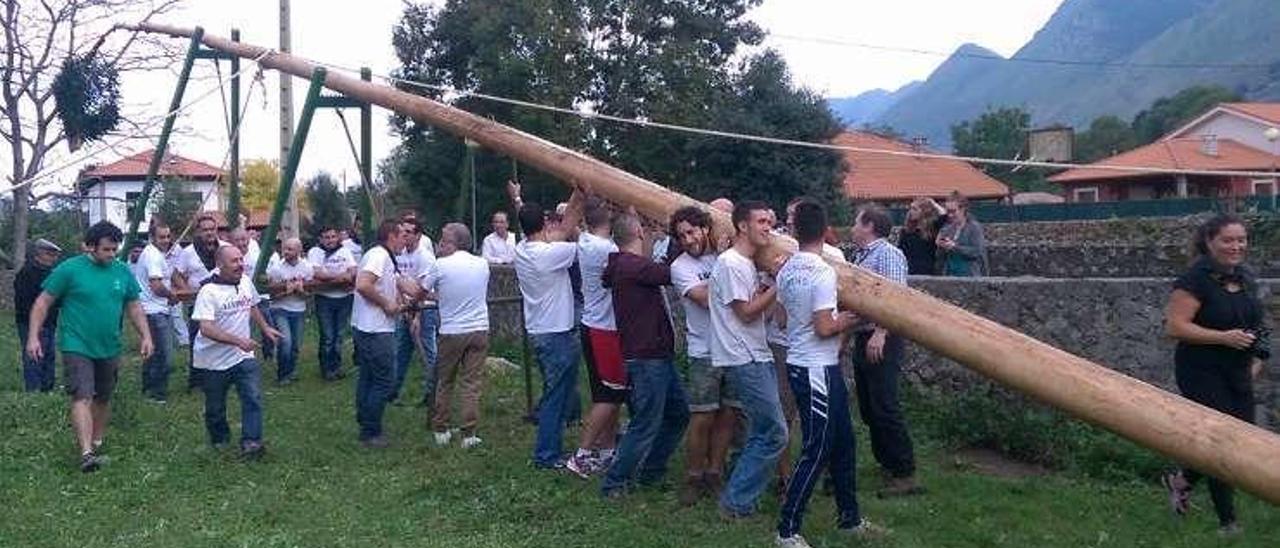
x: 315, y: 487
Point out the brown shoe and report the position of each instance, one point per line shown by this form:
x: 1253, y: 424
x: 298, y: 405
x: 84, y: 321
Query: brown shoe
x: 900, y: 487
x: 691, y: 490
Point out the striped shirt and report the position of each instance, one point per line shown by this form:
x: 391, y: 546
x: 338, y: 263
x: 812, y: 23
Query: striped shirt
x: 884, y: 259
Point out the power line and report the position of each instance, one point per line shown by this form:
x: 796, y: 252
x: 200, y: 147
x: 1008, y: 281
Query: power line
x: 1017, y: 59
x: 803, y: 144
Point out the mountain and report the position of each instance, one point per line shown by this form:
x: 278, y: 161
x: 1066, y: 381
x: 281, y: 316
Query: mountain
x: 1089, y: 32
x: 867, y: 106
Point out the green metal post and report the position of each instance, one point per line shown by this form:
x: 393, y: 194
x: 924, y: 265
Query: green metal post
x: 290, y: 171
x: 136, y: 213
x: 233, y: 193
x: 366, y: 165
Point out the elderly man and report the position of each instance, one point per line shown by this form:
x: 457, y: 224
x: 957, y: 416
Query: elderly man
x: 95, y: 291
x: 459, y: 281
x: 223, y: 350
x: 288, y: 282
x: 37, y: 375
x: 153, y: 275
x: 500, y: 245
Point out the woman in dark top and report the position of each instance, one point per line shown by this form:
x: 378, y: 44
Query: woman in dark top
x: 917, y: 239
x: 1217, y: 318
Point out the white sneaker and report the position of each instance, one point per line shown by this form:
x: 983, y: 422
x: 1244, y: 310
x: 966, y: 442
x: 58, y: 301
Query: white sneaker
x: 442, y: 438
x: 471, y: 441
x: 793, y: 541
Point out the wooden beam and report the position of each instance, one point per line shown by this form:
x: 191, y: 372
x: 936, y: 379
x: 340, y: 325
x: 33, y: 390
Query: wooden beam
x: 1217, y: 444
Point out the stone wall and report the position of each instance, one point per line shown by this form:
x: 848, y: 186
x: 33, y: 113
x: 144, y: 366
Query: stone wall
x: 6, y: 289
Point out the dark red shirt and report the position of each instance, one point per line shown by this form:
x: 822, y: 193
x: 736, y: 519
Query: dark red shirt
x: 638, y: 304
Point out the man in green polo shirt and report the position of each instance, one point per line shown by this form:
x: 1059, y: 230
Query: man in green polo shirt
x: 93, y: 290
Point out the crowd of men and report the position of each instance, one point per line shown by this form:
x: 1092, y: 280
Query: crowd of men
x: 766, y: 344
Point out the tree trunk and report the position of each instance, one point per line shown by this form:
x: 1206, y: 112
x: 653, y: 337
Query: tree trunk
x: 1217, y: 444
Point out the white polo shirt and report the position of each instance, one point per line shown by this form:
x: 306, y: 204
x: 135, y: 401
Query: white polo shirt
x: 733, y: 341
x: 461, y: 283
x: 227, y: 306
x: 499, y: 250
x: 543, y: 271
x: 365, y: 315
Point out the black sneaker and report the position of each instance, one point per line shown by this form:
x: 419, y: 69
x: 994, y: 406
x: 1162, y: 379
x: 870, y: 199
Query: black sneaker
x: 376, y: 442
x: 89, y: 463
x: 252, y: 450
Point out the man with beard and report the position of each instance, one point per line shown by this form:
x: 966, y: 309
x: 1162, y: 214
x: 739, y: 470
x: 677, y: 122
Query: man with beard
x: 94, y: 291
x: 376, y: 308
x: 711, y: 399
x: 193, y: 267
x: 223, y: 350
x: 334, y: 277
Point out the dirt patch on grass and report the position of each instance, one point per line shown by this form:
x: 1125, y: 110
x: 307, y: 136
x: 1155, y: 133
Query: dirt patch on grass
x: 989, y: 462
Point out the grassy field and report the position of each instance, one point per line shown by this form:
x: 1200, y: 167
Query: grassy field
x: 316, y: 487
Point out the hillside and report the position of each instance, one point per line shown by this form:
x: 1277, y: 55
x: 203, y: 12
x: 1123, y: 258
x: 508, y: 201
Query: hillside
x: 866, y: 107
x: 1103, y: 31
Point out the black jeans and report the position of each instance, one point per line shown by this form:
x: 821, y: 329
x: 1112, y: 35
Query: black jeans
x: 1226, y: 388
x: 880, y: 407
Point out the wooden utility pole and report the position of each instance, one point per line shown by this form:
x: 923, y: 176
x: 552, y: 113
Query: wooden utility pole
x: 289, y: 223
x: 1237, y: 452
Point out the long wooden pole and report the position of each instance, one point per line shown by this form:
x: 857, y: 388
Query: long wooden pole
x: 1237, y: 452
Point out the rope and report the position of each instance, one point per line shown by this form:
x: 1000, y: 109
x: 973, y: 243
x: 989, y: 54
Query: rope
x: 366, y: 184
x: 805, y: 144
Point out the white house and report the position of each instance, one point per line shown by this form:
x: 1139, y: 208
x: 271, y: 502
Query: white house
x: 109, y: 189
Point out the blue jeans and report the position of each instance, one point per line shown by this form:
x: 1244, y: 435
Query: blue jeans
x: 376, y: 360
x: 248, y: 380
x: 37, y: 375
x: 756, y: 384
x: 558, y: 355
x: 659, y: 414
x: 332, y: 315
x: 290, y: 326
x: 155, y: 371
x: 429, y: 321
x: 822, y: 403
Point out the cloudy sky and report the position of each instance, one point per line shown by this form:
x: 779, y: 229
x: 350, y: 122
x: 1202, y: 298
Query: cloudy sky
x: 359, y: 35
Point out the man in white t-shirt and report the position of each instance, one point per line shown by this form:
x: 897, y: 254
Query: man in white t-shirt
x: 542, y: 265
x: 153, y: 274
x: 459, y: 281
x: 223, y: 351
x: 181, y: 335
x: 807, y: 291
x: 287, y: 282
x: 499, y: 246
x: 193, y: 268
x: 600, y: 346
x: 374, y: 314
x: 740, y: 345
x: 334, y: 274
x: 417, y: 327
x: 252, y: 252
x: 711, y: 402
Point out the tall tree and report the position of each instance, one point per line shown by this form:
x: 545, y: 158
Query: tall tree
x: 328, y: 206
x: 39, y: 38
x: 1168, y: 113
x: 260, y: 182
x: 667, y: 60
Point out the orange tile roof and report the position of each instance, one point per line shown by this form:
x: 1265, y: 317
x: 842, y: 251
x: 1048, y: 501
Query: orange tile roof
x: 885, y: 177
x: 1175, y: 154
x: 1266, y: 111
x: 135, y: 166
x: 256, y: 219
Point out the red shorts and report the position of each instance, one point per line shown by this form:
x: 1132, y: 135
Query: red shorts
x: 603, y: 351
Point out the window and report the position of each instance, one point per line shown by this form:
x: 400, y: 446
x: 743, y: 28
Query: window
x: 1264, y: 187
x: 1085, y: 195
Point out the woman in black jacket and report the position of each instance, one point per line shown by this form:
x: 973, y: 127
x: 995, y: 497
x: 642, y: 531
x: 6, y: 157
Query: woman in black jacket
x: 1218, y: 320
